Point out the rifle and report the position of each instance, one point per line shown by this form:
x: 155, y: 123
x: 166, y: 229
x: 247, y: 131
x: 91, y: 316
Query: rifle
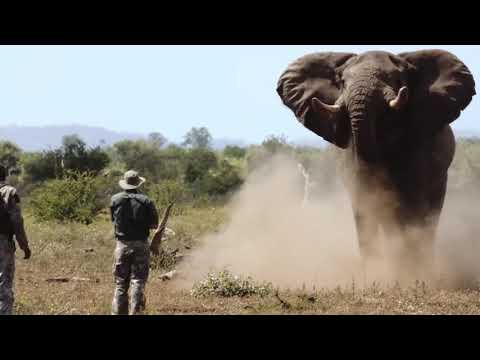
x: 157, y: 236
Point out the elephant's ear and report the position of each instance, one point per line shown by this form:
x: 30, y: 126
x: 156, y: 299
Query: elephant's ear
x: 316, y: 75
x: 441, y: 86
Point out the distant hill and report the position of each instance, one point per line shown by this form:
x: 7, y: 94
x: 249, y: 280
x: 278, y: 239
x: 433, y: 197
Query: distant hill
x: 37, y: 138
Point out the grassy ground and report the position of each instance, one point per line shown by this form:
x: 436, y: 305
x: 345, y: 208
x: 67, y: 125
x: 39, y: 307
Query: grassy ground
x: 86, y: 252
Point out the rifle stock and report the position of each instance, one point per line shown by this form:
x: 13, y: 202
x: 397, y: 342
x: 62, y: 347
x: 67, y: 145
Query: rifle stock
x: 157, y: 236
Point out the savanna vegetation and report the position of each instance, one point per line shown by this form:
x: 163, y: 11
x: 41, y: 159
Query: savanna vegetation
x: 65, y: 195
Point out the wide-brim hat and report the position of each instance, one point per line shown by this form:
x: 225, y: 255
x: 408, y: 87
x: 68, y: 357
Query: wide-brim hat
x: 131, y: 180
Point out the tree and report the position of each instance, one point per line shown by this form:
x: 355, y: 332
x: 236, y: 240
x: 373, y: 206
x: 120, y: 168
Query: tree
x: 142, y: 156
x: 225, y: 179
x: 274, y: 144
x: 234, y: 151
x: 77, y: 157
x: 40, y: 166
x: 174, y: 160
x: 96, y: 160
x: 73, y: 155
x: 198, y: 163
x: 198, y: 138
x: 157, y: 140
x: 259, y: 155
x: 73, y: 152
x: 10, y: 154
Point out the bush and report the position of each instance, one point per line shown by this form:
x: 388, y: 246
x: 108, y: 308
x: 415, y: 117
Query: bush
x: 75, y: 198
x: 172, y: 160
x: 275, y: 144
x: 226, y: 284
x: 168, y: 191
x: 140, y: 155
x: 198, y: 164
x: 77, y: 157
x: 224, y: 180
x: 42, y: 166
x: 72, y: 156
x: 234, y: 151
x: 9, y: 154
x: 106, y: 186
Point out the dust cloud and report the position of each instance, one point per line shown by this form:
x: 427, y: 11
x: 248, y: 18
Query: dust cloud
x: 273, y: 235
x: 457, y: 243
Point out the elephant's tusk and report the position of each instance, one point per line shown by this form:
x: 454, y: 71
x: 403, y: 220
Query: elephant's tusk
x: 320, y: 106
x: 400, y: 100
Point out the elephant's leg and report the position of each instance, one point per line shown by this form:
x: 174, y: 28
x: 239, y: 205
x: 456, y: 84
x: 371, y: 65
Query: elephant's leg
x: 418, y: 257
x: 421, y: 240
x: 366, y: 223
x: 426, y: 251
x: 426, y: 244
x: 369, y: 243
x: 425, y: 197
x: 394, y: 243
x: 416, y: 250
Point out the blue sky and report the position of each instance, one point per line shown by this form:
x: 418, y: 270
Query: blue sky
x: 169, y: 89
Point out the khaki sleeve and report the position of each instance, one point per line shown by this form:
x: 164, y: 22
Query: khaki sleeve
x: 16, y: 218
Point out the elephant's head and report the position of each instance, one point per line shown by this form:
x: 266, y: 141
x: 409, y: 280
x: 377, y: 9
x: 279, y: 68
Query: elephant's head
x: 347, y: 98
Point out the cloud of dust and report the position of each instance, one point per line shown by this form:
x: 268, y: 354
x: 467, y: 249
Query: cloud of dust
x: 272, y: 237
x: 457, y: 245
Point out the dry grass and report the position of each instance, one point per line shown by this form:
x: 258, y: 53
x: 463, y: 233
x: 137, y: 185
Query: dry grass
x: 65, y: 251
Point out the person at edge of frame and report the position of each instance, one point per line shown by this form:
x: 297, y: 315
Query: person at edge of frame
x: 11, y: 226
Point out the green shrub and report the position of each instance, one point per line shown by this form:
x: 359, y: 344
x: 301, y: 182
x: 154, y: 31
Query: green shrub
x: 275, y: 144
x: 76, y: 197
x: 10, y: 154
x: 225, y: 179
x: 234, y: 151
x: 106, y: 187
x: 142, y: 156
x: 168, y: 191
x: 41, y: 166
x: 226, y: 284
x: 73, y: 155
x: 201, y: 201
x: 198, y: 163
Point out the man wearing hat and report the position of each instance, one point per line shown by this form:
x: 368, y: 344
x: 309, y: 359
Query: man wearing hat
x: 11, y: 223
x: 133, y: 216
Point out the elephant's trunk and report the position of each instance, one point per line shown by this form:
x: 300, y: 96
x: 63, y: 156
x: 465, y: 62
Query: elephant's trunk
x: 362, y: 117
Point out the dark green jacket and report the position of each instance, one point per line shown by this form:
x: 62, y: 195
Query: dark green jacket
x: 133, y: 215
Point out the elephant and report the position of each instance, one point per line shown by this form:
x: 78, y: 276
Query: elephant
x: 391, y: 115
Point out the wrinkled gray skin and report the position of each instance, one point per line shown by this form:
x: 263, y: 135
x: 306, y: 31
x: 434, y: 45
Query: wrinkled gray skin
x: 391, y: 113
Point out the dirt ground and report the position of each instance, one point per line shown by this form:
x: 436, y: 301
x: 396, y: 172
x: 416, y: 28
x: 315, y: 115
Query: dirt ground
x: 83, y: 252
x: 36, y: 296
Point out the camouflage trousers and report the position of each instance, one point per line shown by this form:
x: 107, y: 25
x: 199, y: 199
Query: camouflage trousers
x: 130, y: 269
x: 7, y: 272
